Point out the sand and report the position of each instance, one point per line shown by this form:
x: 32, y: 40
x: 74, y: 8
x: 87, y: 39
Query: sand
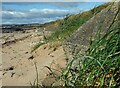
x: 18, y: 68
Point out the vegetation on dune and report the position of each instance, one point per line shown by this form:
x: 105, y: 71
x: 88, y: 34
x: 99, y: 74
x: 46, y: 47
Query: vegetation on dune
x: 72, y: 23
x: 100, y: 65
x: 68, y: 25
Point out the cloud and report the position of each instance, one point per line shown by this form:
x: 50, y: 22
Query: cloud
x: 13, y: 14
x: 48, y: 12
x: 33, y: 16
x: 28, y: 21
x: 35, y: 13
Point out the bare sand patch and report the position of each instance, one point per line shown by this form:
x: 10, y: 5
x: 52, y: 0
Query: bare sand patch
x: 18, y: 61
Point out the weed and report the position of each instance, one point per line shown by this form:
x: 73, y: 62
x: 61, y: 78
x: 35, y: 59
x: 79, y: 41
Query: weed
x: 35, y: 83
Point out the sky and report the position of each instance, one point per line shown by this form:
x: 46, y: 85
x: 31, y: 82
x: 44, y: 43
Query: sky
x: 41, y: 12
x: 56, y: 0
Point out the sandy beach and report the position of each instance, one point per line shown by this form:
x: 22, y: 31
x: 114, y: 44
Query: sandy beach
x: 18, y: 68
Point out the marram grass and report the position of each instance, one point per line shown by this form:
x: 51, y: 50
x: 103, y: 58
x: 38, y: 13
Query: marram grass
x: 100, y: 66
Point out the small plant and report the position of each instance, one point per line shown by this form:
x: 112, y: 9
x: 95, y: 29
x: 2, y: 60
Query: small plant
x: 37, y: 46
x: 35, y: 83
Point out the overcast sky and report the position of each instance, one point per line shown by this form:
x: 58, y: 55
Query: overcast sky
x: 41, y: 12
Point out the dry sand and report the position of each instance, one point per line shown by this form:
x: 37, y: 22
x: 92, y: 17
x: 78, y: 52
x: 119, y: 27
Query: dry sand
x: 18, y: 68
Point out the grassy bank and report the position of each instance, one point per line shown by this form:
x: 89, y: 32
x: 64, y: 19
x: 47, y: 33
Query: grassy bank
x: 73, y: 22
x: 100, y: 65
x: 70, y: 24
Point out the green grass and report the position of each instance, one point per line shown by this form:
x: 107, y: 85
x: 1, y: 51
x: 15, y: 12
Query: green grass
x: 72, y: 23
x: 100, y: 65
